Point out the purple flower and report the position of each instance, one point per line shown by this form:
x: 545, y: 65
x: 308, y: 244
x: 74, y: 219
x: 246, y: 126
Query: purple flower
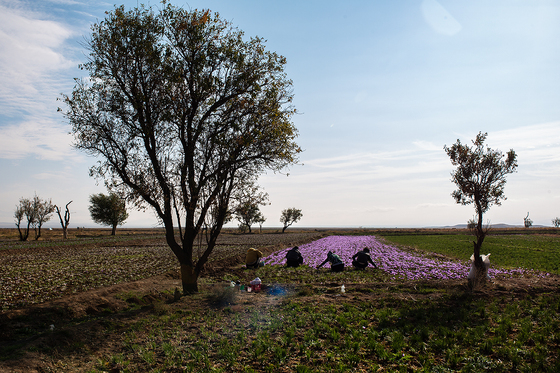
x: 396, y: 262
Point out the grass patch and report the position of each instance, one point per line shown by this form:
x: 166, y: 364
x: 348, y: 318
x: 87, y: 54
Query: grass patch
x: 538, y: 252
x: 454, y: 333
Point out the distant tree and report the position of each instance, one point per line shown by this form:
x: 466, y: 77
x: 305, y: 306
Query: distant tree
x: 108, y: 210
x: 556, y: 222
x: 247, y: 198
x: 36, y: 212
x: 42, y: 211
x: 248, y: 214
x: 480, y: 178
x: 260, y: 221
x: 527, y: 222
x: 24, y: 210
x: 64, y: 223
x: 290, y: 216
x: 471, y: 224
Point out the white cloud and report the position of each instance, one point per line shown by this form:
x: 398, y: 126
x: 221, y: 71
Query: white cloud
x: 42, y: 138
x: 427, y: 145
x: 411, y: 185
x: 540, y: 141
x: 537, y: 147
x: 30, y: 50
x: 33, y: 61
x: 65, y: 2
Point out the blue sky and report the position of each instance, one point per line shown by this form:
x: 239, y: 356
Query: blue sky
x: 380, y: 88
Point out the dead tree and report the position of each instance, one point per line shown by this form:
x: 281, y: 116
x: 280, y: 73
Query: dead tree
x: 64, y: 223
x: 527, y: 222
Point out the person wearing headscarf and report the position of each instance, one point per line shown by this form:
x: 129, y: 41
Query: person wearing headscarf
x: 252, y: 260
x: 337, y: 265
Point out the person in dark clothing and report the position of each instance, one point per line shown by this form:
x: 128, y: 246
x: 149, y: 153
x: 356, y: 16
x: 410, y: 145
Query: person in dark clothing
x: 361, y: 259
x: 293, y: 257
x: 337, y: 265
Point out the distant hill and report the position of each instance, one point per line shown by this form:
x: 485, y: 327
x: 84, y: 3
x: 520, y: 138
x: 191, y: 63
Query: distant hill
x: 495, y: 226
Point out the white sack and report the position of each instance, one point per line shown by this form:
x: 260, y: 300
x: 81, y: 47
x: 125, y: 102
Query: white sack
x: 485, y: 260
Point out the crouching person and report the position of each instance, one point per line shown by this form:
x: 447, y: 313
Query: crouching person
x: 336, y: 263
x: 294, y: 258
x: 253, y: 258
x: 362, y: 259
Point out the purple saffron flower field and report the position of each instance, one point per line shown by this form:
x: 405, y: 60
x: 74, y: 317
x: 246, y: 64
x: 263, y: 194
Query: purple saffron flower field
x: 394, y: 261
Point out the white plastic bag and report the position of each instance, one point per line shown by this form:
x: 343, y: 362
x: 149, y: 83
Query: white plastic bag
x: 485, y: 260
x: 256, y: 281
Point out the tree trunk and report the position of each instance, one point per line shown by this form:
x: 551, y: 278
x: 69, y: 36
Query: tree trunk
x: 480, y: 275
x: 20, y: 233
x: 64, y: 223
x: 26, y: 234
x: 38, y: 233
x: 480, y: 271
x: 114, y: 230
x: 189, y: 278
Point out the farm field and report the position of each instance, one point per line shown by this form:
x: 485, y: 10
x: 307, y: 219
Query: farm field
x: 388, y: 319
x: 36, y: 271
x: 536, y: 251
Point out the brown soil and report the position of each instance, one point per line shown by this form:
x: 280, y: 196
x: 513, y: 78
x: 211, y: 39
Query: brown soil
x: 95, y: 310
x: 82, y: 319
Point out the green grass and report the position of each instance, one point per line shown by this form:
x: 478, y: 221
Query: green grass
x: 378, y: 324
x: 539, y: 252
x: 457, y: 332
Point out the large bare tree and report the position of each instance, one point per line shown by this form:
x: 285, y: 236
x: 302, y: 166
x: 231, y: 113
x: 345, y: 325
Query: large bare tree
x: 179, y: 105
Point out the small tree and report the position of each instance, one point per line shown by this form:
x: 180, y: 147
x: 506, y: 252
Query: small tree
x: 480, y: 178
x: 36, y: 211
x: 42, y: 211
x: 247, y: 214
x: 556, y: 222
x: 471, y: 224
x: 64, y: 223
x: 247, y: 199
x: 23, y: 210
x: 290, y: 216
x: 260, y: 221
x: 108, y: 210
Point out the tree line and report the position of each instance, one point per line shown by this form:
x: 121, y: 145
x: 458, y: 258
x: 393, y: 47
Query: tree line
x: 32, y: 213
x: 110, y: 210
